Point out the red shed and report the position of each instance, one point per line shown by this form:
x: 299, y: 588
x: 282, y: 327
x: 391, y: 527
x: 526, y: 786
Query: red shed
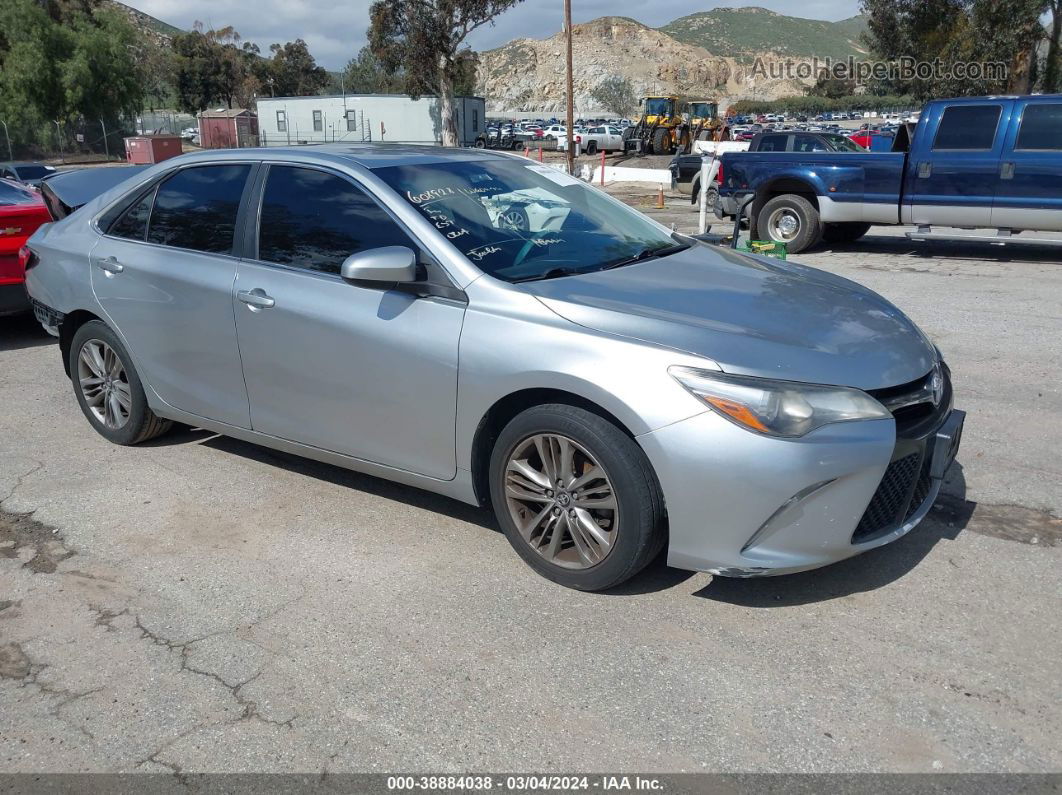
x: 234, y: 128
x: 151, y: 148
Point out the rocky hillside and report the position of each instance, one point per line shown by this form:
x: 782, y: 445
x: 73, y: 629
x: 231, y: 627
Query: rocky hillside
x: 528, y: 74
x: 745, y: 33
x: 147, y: 25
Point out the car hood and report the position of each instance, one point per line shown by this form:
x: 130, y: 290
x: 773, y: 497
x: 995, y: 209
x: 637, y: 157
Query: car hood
x: 751, y: 315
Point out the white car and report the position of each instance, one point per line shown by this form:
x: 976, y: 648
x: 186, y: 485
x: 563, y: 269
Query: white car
x: 557, y: 131
x: 604, y: 138
x: 190, y: 132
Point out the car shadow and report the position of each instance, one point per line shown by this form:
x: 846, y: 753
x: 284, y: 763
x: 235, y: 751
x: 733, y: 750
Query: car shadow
x: 378, y: 487
x: 866, y: 572
x: 944, y: 249
x: 18, y: 332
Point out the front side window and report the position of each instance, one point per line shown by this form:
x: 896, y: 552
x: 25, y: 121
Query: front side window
x: 1041, y: 127
x: 520, y: 221
x: 196, y: 208
x: 968, y: 127
x: 314, y: 220
x: 318, y: 121
x: 282, y: 121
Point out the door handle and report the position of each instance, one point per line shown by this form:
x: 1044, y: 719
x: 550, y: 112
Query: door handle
x: 925, y: 169
x: 110, y: 265
x: 256, y: 299
x: 1006, y: 171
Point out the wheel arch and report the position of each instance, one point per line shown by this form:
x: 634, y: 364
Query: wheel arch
x: 785, y: 185
x: 72, y: 321
x: 505, y: 409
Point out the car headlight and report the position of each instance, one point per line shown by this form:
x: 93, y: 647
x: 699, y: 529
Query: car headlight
x: 777, y: 408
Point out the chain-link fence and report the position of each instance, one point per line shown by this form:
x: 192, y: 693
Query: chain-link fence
x: 85, y: 140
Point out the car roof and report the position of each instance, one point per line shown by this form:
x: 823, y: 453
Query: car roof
x: 21, y: 163
x: 368, y: 155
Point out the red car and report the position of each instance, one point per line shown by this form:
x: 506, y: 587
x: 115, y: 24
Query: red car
x: 22, y: 210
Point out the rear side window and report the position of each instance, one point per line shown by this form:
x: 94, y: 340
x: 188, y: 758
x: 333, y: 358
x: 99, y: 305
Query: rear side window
x: 809, y: 143
x: 196, y: 208
x: 314, y: 220
x: 133, y: 223
x: 772, y: 143
x: 969, y: 127
x: 1041, y: 127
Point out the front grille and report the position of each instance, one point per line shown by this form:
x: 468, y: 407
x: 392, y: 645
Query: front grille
x: 922, y: 487
x: 912, y: 403
x: 891, y: 500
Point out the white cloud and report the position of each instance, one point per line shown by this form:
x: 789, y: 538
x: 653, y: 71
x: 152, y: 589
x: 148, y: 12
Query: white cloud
x: 335, y: 31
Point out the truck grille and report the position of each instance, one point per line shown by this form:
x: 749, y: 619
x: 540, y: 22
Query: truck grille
x: 892, y: 500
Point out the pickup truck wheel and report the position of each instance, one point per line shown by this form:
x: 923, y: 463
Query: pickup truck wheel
x: 843, y: 233
x: 591, y: 147
x: 789, y: 219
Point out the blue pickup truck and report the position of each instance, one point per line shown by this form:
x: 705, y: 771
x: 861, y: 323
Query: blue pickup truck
x: 976, y: 163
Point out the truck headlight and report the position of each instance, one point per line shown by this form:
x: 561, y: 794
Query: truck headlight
x: 777, y: 408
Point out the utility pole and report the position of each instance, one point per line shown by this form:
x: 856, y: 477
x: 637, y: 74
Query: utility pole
x: 571, y: 83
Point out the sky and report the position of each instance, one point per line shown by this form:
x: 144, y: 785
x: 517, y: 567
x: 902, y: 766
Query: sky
x: 335, y: 31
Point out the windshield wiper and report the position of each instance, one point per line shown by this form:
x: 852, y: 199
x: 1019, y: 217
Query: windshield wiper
x: 552, y: 273
x: 648, y: 253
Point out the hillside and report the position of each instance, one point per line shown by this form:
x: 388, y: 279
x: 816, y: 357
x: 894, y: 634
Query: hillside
x: 528, y: 74
x: 145, y: 23
x: 745, y: 33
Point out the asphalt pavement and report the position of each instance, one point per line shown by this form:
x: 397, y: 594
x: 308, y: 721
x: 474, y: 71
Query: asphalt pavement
x: 201, y: 604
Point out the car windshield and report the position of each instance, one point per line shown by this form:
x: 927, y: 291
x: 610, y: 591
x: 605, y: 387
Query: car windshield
x: 519, y: 220
x: 33, y: 172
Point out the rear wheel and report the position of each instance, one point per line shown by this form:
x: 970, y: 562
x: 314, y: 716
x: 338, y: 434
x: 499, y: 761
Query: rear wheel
x: 576, y: 497
x: 789, y: 219
x: 843, y: 233
x: 108, y: 389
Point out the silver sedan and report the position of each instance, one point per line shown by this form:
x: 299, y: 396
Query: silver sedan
x: 491, y: 329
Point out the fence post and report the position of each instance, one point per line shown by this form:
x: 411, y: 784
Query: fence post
x: 106, y: 148
x: 59, y: 138
x: 10, y: 156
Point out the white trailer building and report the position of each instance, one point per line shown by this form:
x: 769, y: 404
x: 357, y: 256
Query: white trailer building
x: 394, y: 118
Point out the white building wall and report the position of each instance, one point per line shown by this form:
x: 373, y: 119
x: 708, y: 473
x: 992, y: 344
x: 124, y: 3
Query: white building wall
x: 403, y: 120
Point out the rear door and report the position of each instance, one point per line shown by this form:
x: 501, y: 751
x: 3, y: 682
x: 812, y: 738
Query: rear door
x: 163, y: 272
x: 953, y: 176
x: 1030, y: 172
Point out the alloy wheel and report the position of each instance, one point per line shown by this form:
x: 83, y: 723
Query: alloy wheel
x: 783, y: 225
x: 104, y: 383
x: 561, y: 500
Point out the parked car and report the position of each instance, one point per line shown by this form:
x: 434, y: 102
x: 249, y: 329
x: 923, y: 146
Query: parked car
x: 991, y: 163
x: 26, y: 173
x: 555, y: 131
x: 605, y: 138
x: 874, y: 140
x: 608, y: 385
x: 22, y: 211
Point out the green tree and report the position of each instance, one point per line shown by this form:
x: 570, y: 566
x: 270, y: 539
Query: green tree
x: 366, y: 74
x: 1053, y: 64
x: 616, y: 95
x: 294, y: 71
x: 423, y: 40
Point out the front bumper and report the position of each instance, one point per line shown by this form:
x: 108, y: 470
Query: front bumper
x: 744, y: 505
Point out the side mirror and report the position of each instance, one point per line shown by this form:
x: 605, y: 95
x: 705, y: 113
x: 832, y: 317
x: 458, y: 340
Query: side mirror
x: 387, y: 264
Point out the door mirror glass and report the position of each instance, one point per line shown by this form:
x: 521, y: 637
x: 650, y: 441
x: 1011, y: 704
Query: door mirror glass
x: 386, y: 264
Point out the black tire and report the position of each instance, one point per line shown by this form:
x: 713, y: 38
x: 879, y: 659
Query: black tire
x: 142, y: 423
x: 808, y: 229
x: 481, y: 143
x: 591, y: 147
x: 660, y: 141
x: 843, y: 233
x: 640, y: 531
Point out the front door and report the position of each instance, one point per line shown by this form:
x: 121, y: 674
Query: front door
x: 163, y: 273
x: 952, y: 179
x: 357, y: 369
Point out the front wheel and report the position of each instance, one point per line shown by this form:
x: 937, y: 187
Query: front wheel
x: 789, y: 219
x: 576, y: 497
x: 108, y: 388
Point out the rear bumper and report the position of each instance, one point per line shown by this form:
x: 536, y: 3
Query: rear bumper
x: 13, y: 299
x: 744, y: 505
